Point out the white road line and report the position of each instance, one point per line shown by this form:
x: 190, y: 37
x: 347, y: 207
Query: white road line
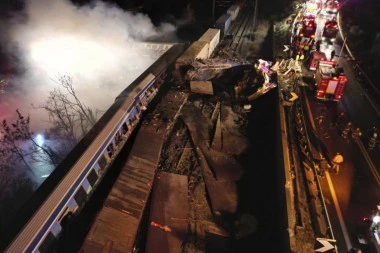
x: 338, y: 211
x: 369, y: 161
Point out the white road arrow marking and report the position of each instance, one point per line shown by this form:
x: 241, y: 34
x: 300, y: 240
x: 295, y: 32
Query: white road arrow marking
x: 286, y: 48
x: 326, y: 245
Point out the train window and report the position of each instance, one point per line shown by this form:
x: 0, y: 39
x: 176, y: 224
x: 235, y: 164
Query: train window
x: 56, y: 229
x: 96, y: 168
x: 47, y: 243
x: 66, y: 220
x: 63, y: 214
x: 86, y: 186
x: 118, y: 138
x: 124, y: 128
x: 72, y: 205
x: 110, y: 150
x: 130, y: 121
x: 80, y: 196
x: 92, y: 177
x: 102, y: 162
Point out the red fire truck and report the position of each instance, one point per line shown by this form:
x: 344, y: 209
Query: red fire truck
x: 330, y: 81
x: 307, y: 28
x: 330, y: 30
x: 315, y: 58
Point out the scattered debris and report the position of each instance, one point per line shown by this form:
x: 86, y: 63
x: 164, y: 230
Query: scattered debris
x: 163, y: 227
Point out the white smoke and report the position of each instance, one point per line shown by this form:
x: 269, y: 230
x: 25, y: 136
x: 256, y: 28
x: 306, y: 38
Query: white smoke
x: 95, y: 45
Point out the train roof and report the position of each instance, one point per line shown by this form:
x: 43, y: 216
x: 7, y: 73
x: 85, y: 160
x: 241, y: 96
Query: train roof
x: 209, y: 35
x: 223, y: 19
x: 193, y: 51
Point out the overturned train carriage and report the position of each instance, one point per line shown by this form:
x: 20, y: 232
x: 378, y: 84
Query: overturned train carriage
x: 65, y: 192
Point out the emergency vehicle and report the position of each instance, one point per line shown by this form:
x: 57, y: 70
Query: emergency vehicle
x: 307, y: 27
x: 330, y: 81
x: 313, y: 6
x: 331, y: 7
x: 315, y: 58
x: 330, y: 30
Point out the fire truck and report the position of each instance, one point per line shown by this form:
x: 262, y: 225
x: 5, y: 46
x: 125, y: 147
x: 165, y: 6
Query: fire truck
x: 313, y: 6
x: 308, y: 27
x: 330, y: 81
x: 330, y: 30
x: 315, y: 58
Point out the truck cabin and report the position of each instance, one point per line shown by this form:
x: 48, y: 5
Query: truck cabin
x: 315, y: 58
x: 308, y: 17
x: 327, y: 69
x: 330, y: 30
x: 308, y: 29
x: 330, y: 81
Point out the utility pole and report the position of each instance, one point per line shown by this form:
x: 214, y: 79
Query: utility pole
x: 255, y: 15
x: 213, y: 11
x: 341, y: 50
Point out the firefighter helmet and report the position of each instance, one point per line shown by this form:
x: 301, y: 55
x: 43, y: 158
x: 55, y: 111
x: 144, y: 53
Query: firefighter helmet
x: 338, y: 158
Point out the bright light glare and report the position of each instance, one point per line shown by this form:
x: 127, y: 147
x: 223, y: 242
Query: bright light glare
x: 376, y: 219
x: 70, y: 55
x: 40, y: 139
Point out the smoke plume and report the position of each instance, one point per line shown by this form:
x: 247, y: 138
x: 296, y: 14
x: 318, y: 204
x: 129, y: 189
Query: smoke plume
x: 94, y: 44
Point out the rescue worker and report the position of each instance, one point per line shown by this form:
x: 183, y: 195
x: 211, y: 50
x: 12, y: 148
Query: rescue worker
x: 337, y: 160
x: 319, y: 120
x: 340, y: 119
x: 302, y: 56
x: 297, y: 43
x: 372, y: 142
x: 332, y: 55
x: 312, y: 41
x: 323, y: 166
x: 306, y: 49
x: 318, y: 45
x: 371, y: 131
x: 356, y: 134
x: 346, y: 130
x: 301, y: 44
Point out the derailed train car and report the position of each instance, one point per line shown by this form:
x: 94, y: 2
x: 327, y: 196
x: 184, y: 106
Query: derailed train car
x: 66, y: 191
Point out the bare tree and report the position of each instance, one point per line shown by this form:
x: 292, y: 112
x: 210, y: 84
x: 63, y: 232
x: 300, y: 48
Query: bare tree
x: 71, y: 118
x: 12, y: 136
x: 15, y: 137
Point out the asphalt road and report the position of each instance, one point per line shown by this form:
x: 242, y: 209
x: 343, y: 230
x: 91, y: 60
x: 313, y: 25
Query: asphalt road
x: 352, y: 194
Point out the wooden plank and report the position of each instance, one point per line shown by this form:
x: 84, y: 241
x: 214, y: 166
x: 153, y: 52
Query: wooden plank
x: 169, y: 207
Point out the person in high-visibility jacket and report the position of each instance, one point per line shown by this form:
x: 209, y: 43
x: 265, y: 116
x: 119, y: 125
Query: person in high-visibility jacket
x: 337, y: 160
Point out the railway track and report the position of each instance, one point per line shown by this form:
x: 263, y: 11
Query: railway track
x: 239, y: 30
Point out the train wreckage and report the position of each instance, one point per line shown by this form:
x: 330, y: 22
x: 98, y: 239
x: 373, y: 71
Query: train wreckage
x: 256, y: 81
